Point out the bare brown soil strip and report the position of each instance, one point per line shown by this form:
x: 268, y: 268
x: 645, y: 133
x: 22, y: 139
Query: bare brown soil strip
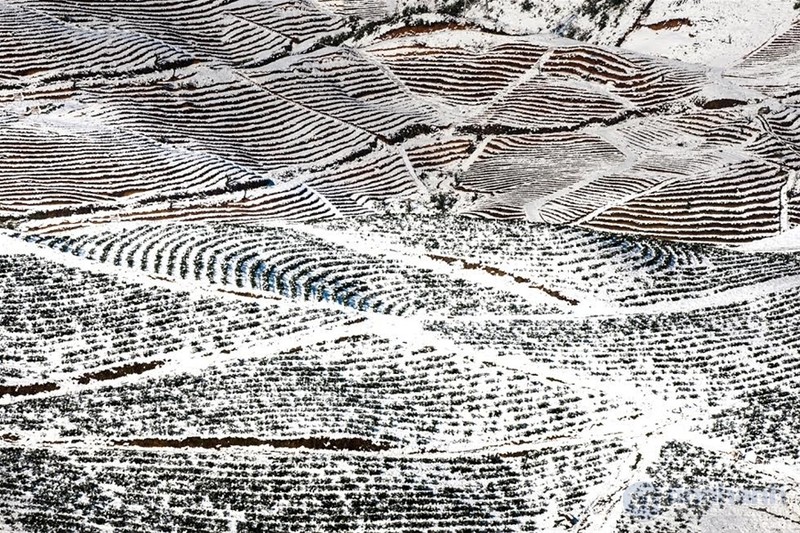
x: 502, y: 273
x: 722, y: 103
x: 119, y: 371
x: 419, y: 30
x: 670, y: 24
x: 311, y: 443
x: 31, y: 71
x: 638, y: 23
x: 131, y: 192
x: 501, y: 129
x: 27, y: 390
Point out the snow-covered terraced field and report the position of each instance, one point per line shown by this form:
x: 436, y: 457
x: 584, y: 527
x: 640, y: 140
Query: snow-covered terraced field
x: 335, y: 265
x: 289, y: 263
x: 572, y: 360
x: 513, y: 127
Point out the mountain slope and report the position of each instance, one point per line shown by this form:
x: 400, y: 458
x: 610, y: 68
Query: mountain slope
x: 295, y: 265
x: 560, y: 388
x: 337, y: 130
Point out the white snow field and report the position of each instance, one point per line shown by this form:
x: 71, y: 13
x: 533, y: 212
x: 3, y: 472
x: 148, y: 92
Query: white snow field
x: 399, y: 266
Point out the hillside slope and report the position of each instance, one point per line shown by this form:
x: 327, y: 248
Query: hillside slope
x: 334, y: 265
x: 516, y: 126
x: 416, y: 372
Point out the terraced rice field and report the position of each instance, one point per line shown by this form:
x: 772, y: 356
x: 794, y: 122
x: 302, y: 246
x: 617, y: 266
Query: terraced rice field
x: 324, y: 265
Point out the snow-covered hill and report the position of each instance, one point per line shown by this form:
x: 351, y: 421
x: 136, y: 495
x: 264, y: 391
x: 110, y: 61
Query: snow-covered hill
x: 333, y: 265
x: 717, y: 33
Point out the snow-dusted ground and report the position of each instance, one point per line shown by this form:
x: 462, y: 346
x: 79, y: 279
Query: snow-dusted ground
x: 717, y: 33
x: 785, y: 242
x: 237, y: 294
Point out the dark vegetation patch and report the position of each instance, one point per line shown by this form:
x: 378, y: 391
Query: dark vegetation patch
x: 311, y: 443
x: 119, y: 371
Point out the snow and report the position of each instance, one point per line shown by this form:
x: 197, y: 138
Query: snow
x: 719, y: 34
x: 721, y: 31
x: 788, y: 241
